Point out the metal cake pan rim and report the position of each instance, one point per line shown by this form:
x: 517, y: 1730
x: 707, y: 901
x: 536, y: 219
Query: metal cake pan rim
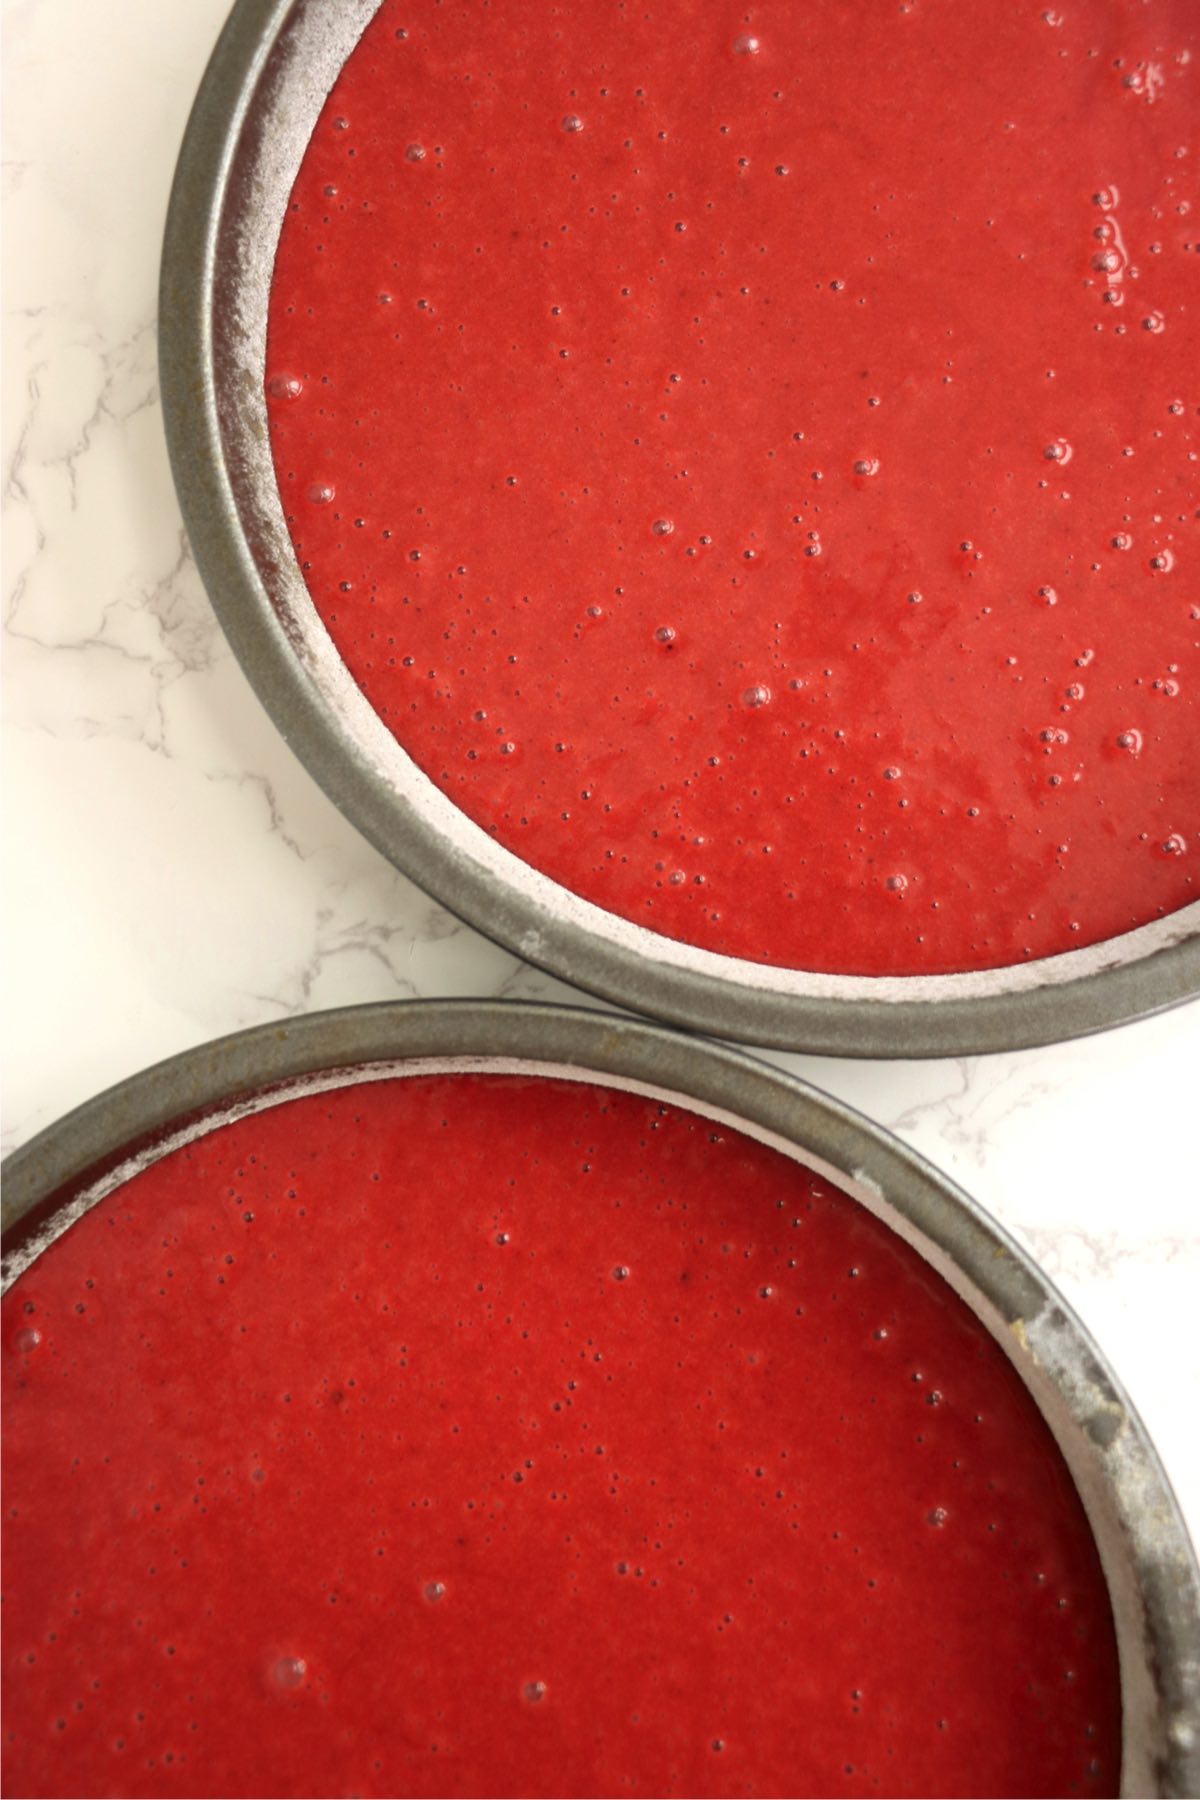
x: 202, y: 422
x: 1150, y: 1567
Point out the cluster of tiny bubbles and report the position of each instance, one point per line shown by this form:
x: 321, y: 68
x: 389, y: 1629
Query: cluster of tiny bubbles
x: 1154, y: 321
x: 663, y: 527
x: 758, y: 695
x: 434, y: 1591
x: 867, y: 465
x: 321, y: 493
x: 285, y: 387
x: 1145, y: 81
x: 746, y: 44
x: 813, y: 546
x: 572, y: 122
x: 1058, y: 452
x: 289, y: 1671
x: 533, y: 1691
x: 1130, y: 740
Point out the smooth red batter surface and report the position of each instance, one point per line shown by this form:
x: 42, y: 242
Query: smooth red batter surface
x: 486, y: 1435
x: 749, y: 459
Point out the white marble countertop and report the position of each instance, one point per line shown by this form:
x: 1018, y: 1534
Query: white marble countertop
x: 174, y: 874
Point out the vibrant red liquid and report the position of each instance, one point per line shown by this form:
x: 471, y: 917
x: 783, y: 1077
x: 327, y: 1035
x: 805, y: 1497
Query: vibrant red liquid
x: 483, y: 1435
x: 910, y: 684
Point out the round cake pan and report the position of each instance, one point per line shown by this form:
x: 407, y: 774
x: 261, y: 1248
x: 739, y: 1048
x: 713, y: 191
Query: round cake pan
x: 1148, y: 1564
x: 269, y: 76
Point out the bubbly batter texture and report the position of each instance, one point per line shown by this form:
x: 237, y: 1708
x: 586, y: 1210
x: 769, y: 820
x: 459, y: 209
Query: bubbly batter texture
x: 493, y: 1435
x: 749, y: 459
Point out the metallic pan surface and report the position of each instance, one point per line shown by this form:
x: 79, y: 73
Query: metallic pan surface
x: 1151, y: 1573
x: 269, y: 75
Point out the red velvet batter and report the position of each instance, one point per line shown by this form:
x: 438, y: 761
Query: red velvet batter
x: 482, y: 1435
x: 749, y: 458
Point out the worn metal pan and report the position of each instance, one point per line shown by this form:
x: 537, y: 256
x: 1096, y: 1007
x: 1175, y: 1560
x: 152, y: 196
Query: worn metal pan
x: 269, y: 76
x: 1148, y: 1564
